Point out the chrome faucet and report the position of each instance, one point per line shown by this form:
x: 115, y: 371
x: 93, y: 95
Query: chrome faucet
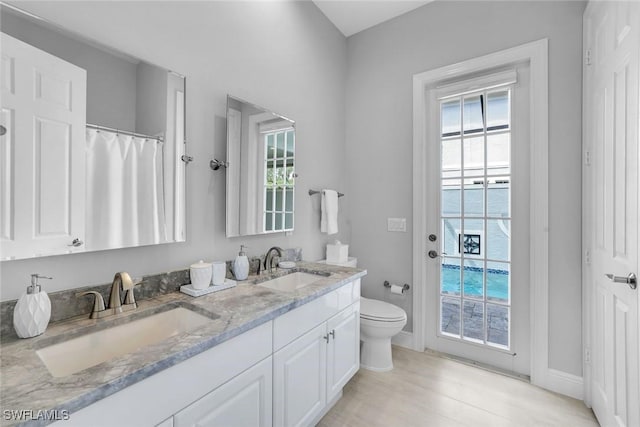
x: 268, y: 258
x: 123, y: 280
x: 120, y: 280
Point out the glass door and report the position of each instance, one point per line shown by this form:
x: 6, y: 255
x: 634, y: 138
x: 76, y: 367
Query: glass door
x: 475, y: 218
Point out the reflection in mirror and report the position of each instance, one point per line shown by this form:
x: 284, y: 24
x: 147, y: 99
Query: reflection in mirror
x: 104, y: 167
x: 261, y: 174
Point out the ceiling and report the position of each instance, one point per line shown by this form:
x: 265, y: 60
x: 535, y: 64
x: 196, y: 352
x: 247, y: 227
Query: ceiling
x: 353, y: 16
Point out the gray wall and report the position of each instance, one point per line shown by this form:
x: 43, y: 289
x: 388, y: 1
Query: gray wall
x: 381, y: 63
x: 151, y: 99
x: 285, y: 56
x: 111, y: 80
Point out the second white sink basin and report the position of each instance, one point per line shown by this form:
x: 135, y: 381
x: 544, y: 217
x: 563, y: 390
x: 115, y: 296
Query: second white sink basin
x: 291, y: 282
x: 88, y: 350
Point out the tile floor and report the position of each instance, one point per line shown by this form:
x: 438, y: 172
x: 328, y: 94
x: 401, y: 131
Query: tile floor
x: 428, y: 390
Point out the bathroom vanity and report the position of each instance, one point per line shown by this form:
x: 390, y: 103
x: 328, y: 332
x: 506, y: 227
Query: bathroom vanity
x: 263, y: 357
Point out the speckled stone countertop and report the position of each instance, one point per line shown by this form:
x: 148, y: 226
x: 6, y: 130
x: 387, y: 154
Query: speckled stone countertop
x: 28, y: 385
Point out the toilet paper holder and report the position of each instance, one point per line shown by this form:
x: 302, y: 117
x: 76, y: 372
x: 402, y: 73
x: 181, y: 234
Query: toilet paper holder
x: 405, y: 287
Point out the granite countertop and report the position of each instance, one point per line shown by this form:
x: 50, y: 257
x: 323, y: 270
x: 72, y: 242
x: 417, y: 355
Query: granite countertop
x: 28, y: 385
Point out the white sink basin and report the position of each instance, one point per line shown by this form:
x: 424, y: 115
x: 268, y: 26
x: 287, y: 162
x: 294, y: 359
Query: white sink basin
x: 291, y: 282
x: 88, y: 350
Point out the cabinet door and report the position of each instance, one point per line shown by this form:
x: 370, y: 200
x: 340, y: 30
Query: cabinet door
x: 243, y: 401
x: 343, y: 357
x: 299, y: 376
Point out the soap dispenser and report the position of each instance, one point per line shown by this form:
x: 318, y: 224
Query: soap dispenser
x: 33, y: 310
x: 241, y: 265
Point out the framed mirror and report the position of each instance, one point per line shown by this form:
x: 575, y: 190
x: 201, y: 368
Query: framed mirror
x: 261, y: 170
x: 92, y: 141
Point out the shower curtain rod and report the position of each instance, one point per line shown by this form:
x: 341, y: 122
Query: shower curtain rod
x: 125, y: 132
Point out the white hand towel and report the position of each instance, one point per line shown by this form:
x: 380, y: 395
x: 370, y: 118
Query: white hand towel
x: 329, y: 212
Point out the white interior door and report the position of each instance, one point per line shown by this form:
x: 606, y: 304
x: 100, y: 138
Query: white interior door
x: 611, y: 115
x: 43, y: 161
x: 478, y: 221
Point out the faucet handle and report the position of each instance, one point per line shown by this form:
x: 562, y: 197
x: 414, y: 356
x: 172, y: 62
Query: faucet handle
x: 129, y: 296
x: 98, y: 303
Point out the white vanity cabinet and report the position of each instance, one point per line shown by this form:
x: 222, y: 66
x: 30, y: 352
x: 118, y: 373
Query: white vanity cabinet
x: 343, y: 349
x: 310, y: 371
x: 244, y: 401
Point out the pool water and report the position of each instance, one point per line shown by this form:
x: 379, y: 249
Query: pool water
x: 497, y: 282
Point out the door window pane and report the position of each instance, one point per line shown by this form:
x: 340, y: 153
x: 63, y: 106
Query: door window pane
x: 472, y: 114
x: 451, y: 158
x: 498, y: 153
x: 450, y: 316
x: 450, y: 277
x: 498, y: 237
x: 498, y: 282
x: 450, y: 118
x: 498, y: 110
x: 474, y: 197
x: 450, y: 202
x: 473, y: 320
x: 473, y: 279
x: 474, y: 156
x: 498, y: 325
x: 499, y: 197
x: 450, y: 233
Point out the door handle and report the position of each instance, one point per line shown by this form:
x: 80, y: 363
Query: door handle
x: 333, y: 334
x: 630, y: 280
x: 76, y: 242
x: 326, y: 337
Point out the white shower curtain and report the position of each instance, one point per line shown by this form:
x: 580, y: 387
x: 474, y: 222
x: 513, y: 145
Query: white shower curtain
x: 125, y: 193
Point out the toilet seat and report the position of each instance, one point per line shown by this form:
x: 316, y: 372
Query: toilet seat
x: 380, y: 311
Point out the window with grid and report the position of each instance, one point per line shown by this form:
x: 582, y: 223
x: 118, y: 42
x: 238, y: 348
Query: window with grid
x: 279, y: 180
x: 475, y: 285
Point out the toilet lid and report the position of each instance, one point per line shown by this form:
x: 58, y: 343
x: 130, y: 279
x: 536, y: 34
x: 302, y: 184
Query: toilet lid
x: 379, y: 310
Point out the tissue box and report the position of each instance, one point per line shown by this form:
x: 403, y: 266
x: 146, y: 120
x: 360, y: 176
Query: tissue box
x: 337, y: 253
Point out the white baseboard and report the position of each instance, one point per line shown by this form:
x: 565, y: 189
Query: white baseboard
x: 564, y: 383
x: 403, y: 339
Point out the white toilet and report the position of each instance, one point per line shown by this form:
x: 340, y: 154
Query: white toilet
x: 379, y: 321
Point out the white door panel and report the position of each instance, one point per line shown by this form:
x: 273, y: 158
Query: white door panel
x: 44, y: 111
x: 611, y: 114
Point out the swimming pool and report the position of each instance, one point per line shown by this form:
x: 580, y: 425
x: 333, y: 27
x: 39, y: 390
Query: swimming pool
x: 497, y: 282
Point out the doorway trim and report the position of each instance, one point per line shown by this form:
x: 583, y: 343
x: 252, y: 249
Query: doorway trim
x: 536, y: 54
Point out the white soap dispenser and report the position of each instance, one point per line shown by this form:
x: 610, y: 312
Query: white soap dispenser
x: 33, y: 310
x: 241, y: 265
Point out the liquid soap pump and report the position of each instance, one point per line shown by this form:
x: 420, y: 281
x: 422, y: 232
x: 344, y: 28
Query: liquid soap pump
x: 33, y: 310
x: 241, y: 265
